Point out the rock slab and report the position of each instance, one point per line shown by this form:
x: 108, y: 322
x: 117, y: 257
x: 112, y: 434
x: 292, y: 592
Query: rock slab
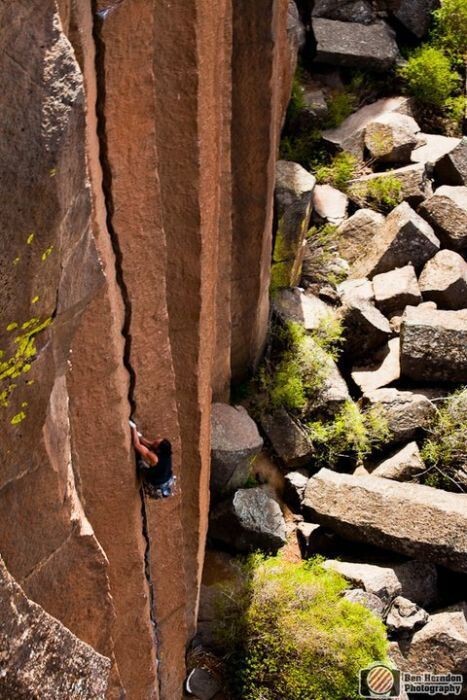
x: 40, y: 659
x: 411, y: 519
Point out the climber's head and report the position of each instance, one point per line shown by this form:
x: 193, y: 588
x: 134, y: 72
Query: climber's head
x: 163, y: 448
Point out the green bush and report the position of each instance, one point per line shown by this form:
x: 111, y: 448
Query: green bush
x: 340, y: 106
x: 288, y: 634
x: 451, y: 29
x: 352, y: 433
x: 380, y: 193
x: 429, y: 76
x: 342, y: 169
x: 445, y: 450
x: 301, y: 363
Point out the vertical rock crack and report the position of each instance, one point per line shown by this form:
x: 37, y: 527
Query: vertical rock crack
x: 126, y: 327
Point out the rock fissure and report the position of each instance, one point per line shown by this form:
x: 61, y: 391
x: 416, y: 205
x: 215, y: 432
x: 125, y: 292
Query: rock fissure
x: 119, y: 276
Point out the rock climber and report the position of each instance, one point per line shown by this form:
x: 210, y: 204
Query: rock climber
x: 154, y: 463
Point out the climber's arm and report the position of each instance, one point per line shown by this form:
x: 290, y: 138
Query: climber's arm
x: 148, y: 455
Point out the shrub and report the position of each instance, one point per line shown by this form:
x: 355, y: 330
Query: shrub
x: 288, y: 633
x: 352, y: 433
x: 301, y: 364
x: 340, y: 106
x: 429, y: 76
x: 451, y: 29
x: 380, y: 193
x: 342, y: 169
x: 445, y: 450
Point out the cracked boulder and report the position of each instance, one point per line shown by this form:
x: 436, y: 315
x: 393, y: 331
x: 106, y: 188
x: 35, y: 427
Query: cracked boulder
x: 383, y: 369
x: 405, y: 617
x: 288, y: 439
x: 452, y: 168
x: 330, y: 204
x: 441, y: 646
x: 359, y: 11
x: 307, y: 309
x: 434, y: 345
x: 248, y: 520
x: 406, y: 464
x: 40, y: 657
x: 354, y: 234
x: 392, y: 137
x: 412, y: 184
x: 294, y: 488
x: 396, y: 289
x: 446, y: 210
x: 293, y: 201
x: 407, y: 413
x: 411, y: 519
x: 413, y: 579
x: 235, y: 443
x: 372, y: 47
x: 415, y: 15
x: 432, y: 149
x: 349, y: 136
x: 444, y: 280
x: 406, y: 239
x: 366, y: 329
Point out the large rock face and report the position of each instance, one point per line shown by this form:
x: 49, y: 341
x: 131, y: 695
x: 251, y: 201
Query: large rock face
x: 408, y: 518
x: 40, y: 658
x: 118, y: 174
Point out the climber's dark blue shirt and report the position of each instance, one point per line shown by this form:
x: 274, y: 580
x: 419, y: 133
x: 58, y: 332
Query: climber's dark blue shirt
x: 162, y: 471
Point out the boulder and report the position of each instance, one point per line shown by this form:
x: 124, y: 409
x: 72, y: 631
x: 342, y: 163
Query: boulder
x: 406, y: 412
x: 354, y: 234
x: 434, y: 345
x: 446, y: 210
x: 306, y: 309
x: 235, y: 442
x: 40, y: 657
x: 392, y: 137
x: 294, y: 488
x: 368, y: 600
x: 405, y: 239
x: 355, y: 45
x: 248, y: 520
x: 349, y: 136
x: 293, y: 201
x: 202, y: 684
x: 314, y: 539
x: 334, y: 392
x: 396, y: 289
x: 413, y: 579
x: 411, y: 519
x: 379, y: 580
x: 288, y: 439
x: 383, y: 369
x: 432, y: 149
x: 359, y: 11
x: 451, y: 169
x: 355, y: 291
x: 444, y: 280
x: 404, y: 465
x: 413, y: 182
x: 405, y: 617
x: 365, y: 328
x: 415, y: 15
x: 315, y: 100
x: 440, y: 646
x: 330, y: 204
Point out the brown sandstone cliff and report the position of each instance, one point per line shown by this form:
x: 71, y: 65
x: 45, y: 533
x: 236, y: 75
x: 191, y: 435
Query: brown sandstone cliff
x: 138, y: 146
